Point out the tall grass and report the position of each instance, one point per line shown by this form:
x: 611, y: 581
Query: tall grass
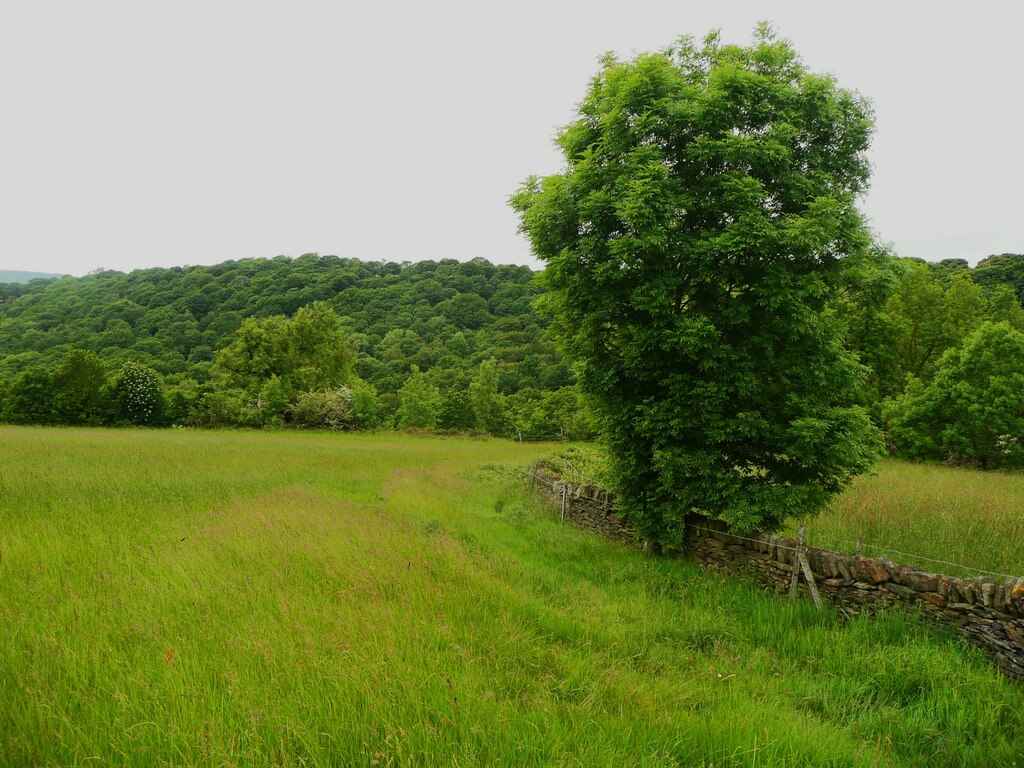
x: 203, y: 598
x: 964, y: 516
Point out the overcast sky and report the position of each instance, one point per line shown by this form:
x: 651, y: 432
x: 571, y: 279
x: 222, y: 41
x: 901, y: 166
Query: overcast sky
x: 137, y: 134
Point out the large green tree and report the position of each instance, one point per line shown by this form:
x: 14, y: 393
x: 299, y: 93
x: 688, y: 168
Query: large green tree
x: 78, y: 388
x: 29, y: 397
x: 694, y: 243
x: 277, y: 358
x: 419, y: 401
x: 487, y: 402
x: 973, y: 409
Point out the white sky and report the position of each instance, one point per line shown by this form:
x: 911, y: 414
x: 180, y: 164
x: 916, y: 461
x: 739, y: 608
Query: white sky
x: 136, y: 134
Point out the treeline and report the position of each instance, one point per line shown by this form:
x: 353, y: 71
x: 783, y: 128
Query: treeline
x: 944, y: 353
x: 310, y: 341
x: 449, y: 346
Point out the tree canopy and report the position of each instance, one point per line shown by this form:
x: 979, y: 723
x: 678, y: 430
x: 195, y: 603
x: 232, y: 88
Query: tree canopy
x: 694, y: 245
x: 973, y: 408
x: 237, y: 343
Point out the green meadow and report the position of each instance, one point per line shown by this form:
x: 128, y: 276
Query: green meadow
x: 922, y: 513
x: 295, y: 599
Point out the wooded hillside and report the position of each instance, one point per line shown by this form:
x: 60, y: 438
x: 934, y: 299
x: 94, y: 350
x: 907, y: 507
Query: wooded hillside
x: 445, y: 318
x: 433, y: 345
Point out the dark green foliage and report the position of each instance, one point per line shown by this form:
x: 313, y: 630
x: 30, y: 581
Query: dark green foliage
x: 466, y: 311
x: 445, y: 317
x: 948, y: 267
x: 902, y: 316
x: 973, y: 409
x: 367, y: 410
x: 864, y: 307
x: 550, y: 415
x: 1004, y: 269
x: 305, y: 352
x: 924, y: 327
x: 78, y: 388
x: 1003, y: 306
x: 694, y: 244
x: 455, y: 412
x: 29, y: 397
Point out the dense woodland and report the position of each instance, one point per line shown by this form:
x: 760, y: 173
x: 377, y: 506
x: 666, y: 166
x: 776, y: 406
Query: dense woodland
x: 321, y: 341
x: 430, y: 345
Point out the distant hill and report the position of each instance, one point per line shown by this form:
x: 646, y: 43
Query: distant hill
x: 445, y: 318
x: 12, y: 276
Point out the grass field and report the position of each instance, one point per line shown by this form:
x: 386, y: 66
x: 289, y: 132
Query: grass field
x: 205, y: 598
x: 963, y: 516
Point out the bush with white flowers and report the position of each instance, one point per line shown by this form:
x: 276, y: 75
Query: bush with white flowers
x: 139, y: 394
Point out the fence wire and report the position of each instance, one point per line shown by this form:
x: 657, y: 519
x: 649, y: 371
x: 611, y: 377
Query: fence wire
x: 927, y: 559
x: 554, y: 484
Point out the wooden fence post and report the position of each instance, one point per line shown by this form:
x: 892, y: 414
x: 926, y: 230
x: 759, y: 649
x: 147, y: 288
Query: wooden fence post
x: 801, y: 563
x: 796, y: 564
x: 809, y: 575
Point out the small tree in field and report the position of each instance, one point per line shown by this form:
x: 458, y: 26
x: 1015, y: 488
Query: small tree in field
x: 487, y: 402
x: 694, y: 243
x: 419, y: 400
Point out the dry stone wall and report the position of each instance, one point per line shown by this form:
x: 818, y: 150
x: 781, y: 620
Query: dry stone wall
x: 586, y: 506
x: 989, y: 614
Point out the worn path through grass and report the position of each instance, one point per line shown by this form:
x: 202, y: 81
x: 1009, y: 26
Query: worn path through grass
x: 227, y: 598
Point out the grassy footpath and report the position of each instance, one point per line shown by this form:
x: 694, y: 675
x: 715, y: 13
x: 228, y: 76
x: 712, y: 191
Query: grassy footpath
x: 204, y: 598
x: 960, y: 515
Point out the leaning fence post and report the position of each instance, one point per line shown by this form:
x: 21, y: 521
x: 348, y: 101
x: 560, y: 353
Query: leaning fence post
x: 809, y: 575
x: 563, y: 503
x: 801, y: 563
x: 796, y: 564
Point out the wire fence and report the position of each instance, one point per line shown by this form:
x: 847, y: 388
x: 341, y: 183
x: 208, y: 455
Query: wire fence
x: 777, y: 544
x: 607, y: 503
x: 900, y: 552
